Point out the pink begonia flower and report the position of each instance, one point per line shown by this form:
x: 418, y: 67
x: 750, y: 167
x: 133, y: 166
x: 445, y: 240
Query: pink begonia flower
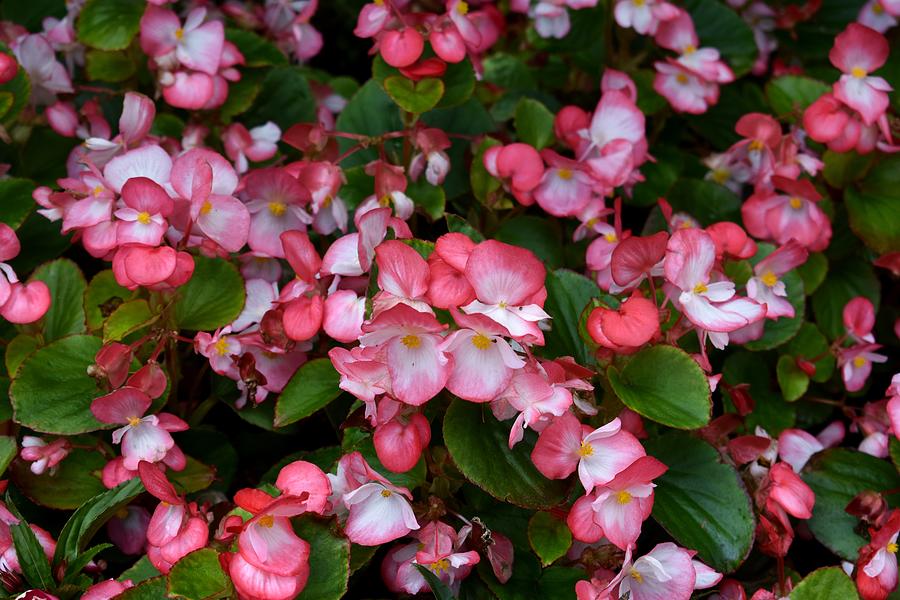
x: 9, y: 67
x: 411, y: 343
x: 276, y: 204
x: 19, y: 302
x: 377, y: 511
x: 257, y: 144
x: 195, y: 44
x: 142, y: 220
x: 636, y: 258
x: 106, y: 590
x: 128, y: 531
x: 875, y: 15
x: 151, y: 162
x: 448, y: 286
x: 44, y: 456
x: 765, y: 286
x: 361, y: 374
x: 509, y: 286
x: 667, y: 571
x: 565, y: 188
x: 372, y: 19
x: 731, y: 240
x: 208, y: 181
x: 343, y: 315
x: 686, y: 91
x: 876, y: 568
x: 858, y: 51
x: 678, y: 34
x: 784, y: 490
x: 893, y: 404
x: 829, y: 121
x: 792, y: 215
x: 401, y: 47
x: 599, y: 455
x: 616, y: 136
x: 635, y: 323
x: 439, y: 551
x: 138, y: 112
x: 176, y: 528
x: 535, y: 399
x: 399, y: 442
x: 47, y: 75
x: 519, y: 166
x: 143, y: 438
x: 856, y: 364
x: 859, y: 319
x: 617, y: 510
x: 643, y: 15
x: 709, y: 305
x: 483, y: 361
x: 432, y: 158
x: 402, y: 278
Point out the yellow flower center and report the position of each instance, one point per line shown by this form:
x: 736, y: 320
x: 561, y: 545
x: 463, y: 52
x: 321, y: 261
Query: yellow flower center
x: 327, y: 201
x: 410, y: 341
x: 858, y: 72
x: 795, y: 202
x: 859, y: 361
x: 502, y: 304
x: 277, y: 208
x: 134, y: 421
x: 877, y: 8
x: 681, y: 78
x: 623, y: 497
x: 179, y: 33
x: 439, y: 566
x: 97, y: 190
x: 221, y: 346
x: 639, y: 2
x: 462, y: 8
x: 892, y: 548
x: 586, y: 449
x: 379, y: 2
x: 206, y: 207
x: 144, y: 218
x: 720, y: 176
x: 481, y: 341
x: 770, y: 279
x: 757, y: 145
x: 386, y: 493
x: 635, y: 575
x: 700, y: 288
x: 610, y: 237
x: 385, y: 200
x: 565, y: 174
x: 690, y: 49
x: 266, y: 521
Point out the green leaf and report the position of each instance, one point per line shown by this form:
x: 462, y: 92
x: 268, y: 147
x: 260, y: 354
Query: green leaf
x: 74, y: 568
x: 126, y: 319
x: 721, y: 28
x: 790, y: 95
x: 8, y: 451
x: 19, y: 86
x: 457, y: 224
x: 369, y: 112
x: 110, y: 24
x: 665, y: 385
x: 67, y: 286
x: 478, y: 444
x: 32, y: 559
x: 257, y: 50
x: 429, y: 198
x: 483, y: 183
x: 194, y: 477
x: 540, y: 235
x: 7, y: 99
x: 16, y: 202
x: 114, y: 66
x: 875, y: 219
x: 772, y: 413
x: 90, y: 517
x: 150, y: 589
x: 568, y: 293
x: 701, y: 501
x: 241, y: 96
x: 102, y: 297
x: 843, y: 168
x: 313, y: 386
x: 140, y: 571
x: 285, y: 98
x: 76, y: 480
x: 329, y: 561
x: 439, y: 589
x: 706, y: 201
x: 459, y: 83
x: 836, y: 476
x: 808, y: 344
x: 813, y: 272
x: 414, y: 97
x: 549, y: 537
x: 777, y: 332
x: 847, y: 278
x: 18, y: 350
x: 829, y: 583
x: 52, y: 391
x: 534, y: 123
x: 32, y: 13
x: 198, y: 576
x: 212, y: 298
x: 792, y: 380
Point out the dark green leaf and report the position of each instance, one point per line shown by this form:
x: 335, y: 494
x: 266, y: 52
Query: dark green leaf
x: 110, y: 24
x: 212, y: 298
x: 150, y: 589
x: 478, y: 444
x: 719, y: 27
x: 285, y: 99
x: 809, y: 343
x: 549, y: 537
x: 369, y: 112
x: 257, y: 51
x: 836, y: 476
x: 875, y: 219
x: 540, y: 235
x: 16, y: 202
x: 8, y: 451
x: 459, y: 83
x: 113, y: 66
x: 789, y: 95
x: 67, y: 287
x: 52, y: 391
x: 439, y: 589
x: 32, y: 559
x: 706, y: 201
x: 329, y: 561
x: 126, y: 319
x: 19, y: 86
x: 314, y: 385
x: 792, y: 380
x: 843, y: 168
x: 140, y: 571
x: 847, y: 278
x: 534, y: 123
x: 666, y: 385
x: 76, y: 480
x: 429, y: 198
x: 102, y: 297
x: 198, y: 576
x: 18, y: 350
x: 829, y: 583
x: 414, y: 97
x: 813, y: 272
x: 568, y: 293
x: 194, y: 477
x: 701, y: 501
